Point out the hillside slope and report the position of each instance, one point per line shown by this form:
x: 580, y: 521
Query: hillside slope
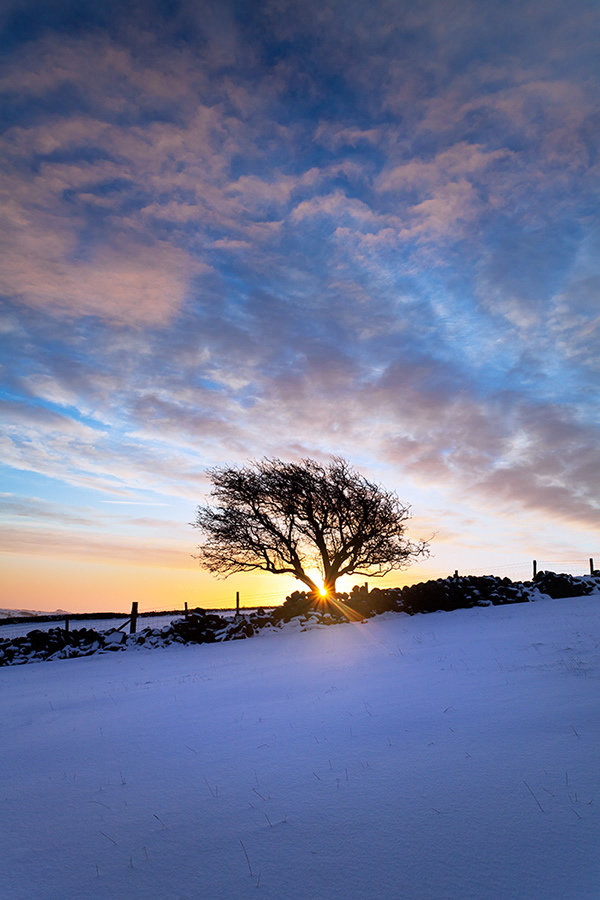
x: 450, y: 756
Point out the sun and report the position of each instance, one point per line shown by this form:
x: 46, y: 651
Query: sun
x: 319, y: 583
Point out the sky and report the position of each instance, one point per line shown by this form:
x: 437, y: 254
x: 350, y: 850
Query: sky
x: 239, y: 230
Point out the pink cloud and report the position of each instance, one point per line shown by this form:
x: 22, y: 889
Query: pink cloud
x: 58, y: 543
x: 334, y: 137
x: 127, y: 284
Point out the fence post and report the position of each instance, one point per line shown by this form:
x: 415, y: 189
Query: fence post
x: 237, y: 604
x: 134, y: 613
x: 67, y: 623
x: 534, y: 568
x: 591, y: 565
x: 185, y: 610
x: 456, y: 573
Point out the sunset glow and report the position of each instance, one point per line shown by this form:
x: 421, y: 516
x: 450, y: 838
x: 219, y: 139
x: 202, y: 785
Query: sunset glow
x: 294, y: 230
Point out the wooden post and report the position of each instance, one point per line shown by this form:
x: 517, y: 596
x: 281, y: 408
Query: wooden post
x: 67, y: 624
x: 134, y: 613
x: 366, y: 587
x: 237, y: 603
x: 591, y: 566
x: 185, y: 610
x: 534, y: 568
x: 456, y: 573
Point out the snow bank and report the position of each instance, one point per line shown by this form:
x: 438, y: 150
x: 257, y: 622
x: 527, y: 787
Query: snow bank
x: 452, y: 756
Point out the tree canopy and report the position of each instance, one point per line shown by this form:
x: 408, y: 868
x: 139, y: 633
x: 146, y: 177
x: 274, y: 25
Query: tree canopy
x: 291, y: 518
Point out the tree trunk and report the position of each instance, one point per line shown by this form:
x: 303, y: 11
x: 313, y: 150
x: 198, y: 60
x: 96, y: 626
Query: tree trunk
x: 329, y: 585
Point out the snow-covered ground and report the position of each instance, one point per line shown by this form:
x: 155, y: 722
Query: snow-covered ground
x: 451, y: 756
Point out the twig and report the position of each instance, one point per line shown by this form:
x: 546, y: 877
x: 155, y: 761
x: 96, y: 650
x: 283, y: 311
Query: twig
x: 533, y: 795
x: 212, y: 793
x: 109, y: 838
x: 246, y: 855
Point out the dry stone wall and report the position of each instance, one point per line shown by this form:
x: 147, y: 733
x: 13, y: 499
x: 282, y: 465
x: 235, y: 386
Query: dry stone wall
x: 299, y: 610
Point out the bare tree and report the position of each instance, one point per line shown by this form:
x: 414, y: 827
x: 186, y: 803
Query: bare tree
x: 289, y: 518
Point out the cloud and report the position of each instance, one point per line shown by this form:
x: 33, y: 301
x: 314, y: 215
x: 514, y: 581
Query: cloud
x: 454, y: 163
x: 510, y: 452
x: 126, y: 284
x: 337, y: 137
x: 84, y: 191
x: 60, y: 544
x: 39, y: 510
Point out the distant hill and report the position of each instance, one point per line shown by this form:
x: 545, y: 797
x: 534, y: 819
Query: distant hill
x: 17, y: 613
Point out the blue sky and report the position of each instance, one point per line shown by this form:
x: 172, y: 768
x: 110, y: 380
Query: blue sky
x: 242, y: 229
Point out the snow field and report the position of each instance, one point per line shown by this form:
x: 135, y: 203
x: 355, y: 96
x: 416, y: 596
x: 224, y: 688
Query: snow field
x: 451, y: 756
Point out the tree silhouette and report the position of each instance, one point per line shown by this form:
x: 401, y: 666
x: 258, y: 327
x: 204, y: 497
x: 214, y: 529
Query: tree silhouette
x: 289, y: 518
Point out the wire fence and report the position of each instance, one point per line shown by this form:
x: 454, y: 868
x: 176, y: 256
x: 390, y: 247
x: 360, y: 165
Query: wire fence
x: 526, y: 570
x: 106, y: 622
